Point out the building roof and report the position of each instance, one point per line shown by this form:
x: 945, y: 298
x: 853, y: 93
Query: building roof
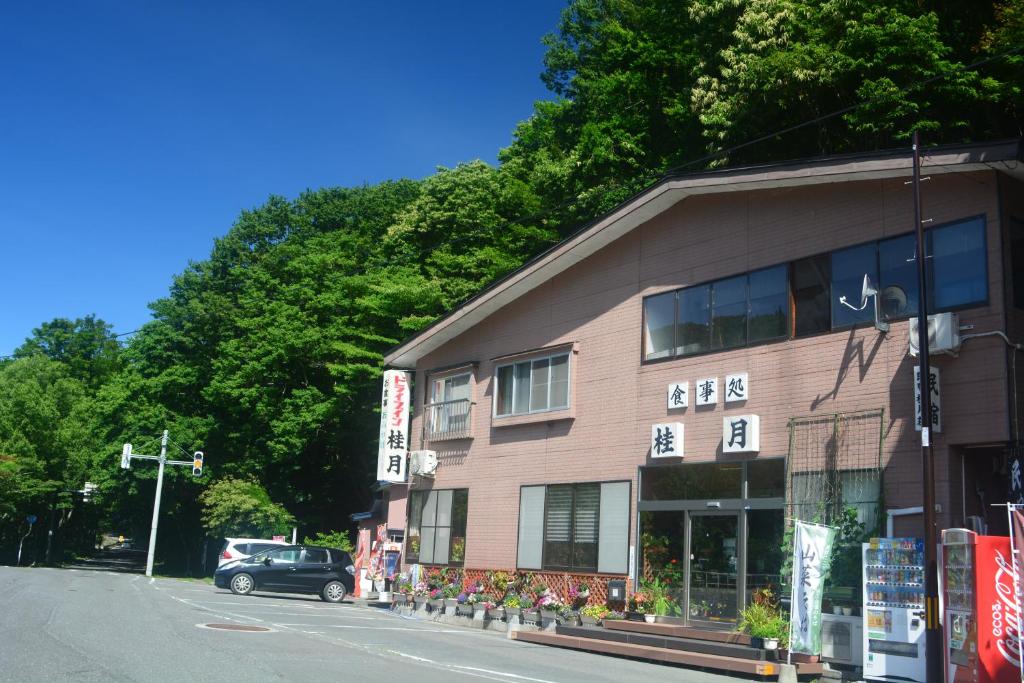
x: 1004, y: 156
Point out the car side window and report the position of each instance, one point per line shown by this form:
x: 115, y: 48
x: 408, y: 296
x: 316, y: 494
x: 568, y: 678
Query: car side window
x: 243, y: 548
x: 285, y: 555
x: 260, y: 547
x: 316, y: 556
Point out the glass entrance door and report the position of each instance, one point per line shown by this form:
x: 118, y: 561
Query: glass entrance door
x: 713, y: 570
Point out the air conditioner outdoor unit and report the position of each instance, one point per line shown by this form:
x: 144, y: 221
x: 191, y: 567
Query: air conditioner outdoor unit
x: 423, y: 463
x: 943, y: 334
x: 842, y: 639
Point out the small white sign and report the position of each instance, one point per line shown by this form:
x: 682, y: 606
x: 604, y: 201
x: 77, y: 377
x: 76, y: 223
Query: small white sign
x: 736, y: 388
x: 678, y: 395
x: 935, y: 396
x: 741, y: 434
x: 707, y: 391
x: 667, y: 440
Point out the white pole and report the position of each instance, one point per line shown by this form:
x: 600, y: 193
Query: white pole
x: 295, y: 532
x: 156, y: 505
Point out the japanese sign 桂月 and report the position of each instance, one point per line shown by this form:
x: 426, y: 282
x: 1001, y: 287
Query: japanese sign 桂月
x: 394, y: 427
x: 741, y: 434
x: 667, y: 440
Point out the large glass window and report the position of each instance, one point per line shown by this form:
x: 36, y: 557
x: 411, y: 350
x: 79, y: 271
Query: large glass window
x: 769, y: 304
x: 729, y: 313
x: 811, y: 295
x: 571, y: 525
x: 958, y: 273
x: 849, y: 266
x: 437, y: 526
x: 659, y: 320
x: 692, y: 481
x: 532, y: 386
x: 693, y: 328
x: 897, y: 266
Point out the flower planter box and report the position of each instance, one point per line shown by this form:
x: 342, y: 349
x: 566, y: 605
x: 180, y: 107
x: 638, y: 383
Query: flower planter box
x: 531, y: 616
x: 450, y: 605
x: 635, y: 616
x: 512, y: 612
x: 463, y: 609
x: 436, y: 605
x: 569, y: 619
x: 589, y: 620
x: 496, y: 613
x: 399, y: 599
x: 421, y: 600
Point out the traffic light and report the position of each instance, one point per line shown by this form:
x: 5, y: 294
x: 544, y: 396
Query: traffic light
x: 197, y: 464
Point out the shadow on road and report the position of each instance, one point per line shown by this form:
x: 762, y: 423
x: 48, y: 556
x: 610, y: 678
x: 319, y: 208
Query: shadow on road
x: 121, y: 560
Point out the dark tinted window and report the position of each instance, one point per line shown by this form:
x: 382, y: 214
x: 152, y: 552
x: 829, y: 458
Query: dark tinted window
x: 572, y: 520
x: 692, y: 482
x: 769, y: 304
x: 959, y: 274
x: 897, y: 271
x: 693, y: 333
x: 242, y: 548
x: 729, y: 313
x: 316, y: 556
x: 260, y: 547
x: 849, y: 266
x: 766, y: 478
x: 659, y: 318
x: 811, y: 295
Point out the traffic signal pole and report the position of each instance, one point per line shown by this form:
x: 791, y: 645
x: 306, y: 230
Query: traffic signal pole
x: 156, y: 505
x: 126, y: 462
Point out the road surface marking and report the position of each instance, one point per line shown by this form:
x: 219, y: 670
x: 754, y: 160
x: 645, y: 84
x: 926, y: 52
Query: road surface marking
x: 502, y: 673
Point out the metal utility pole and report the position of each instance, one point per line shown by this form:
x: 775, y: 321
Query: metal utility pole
x: 126, y: 462
x: 156, y: 505
x: 933, y: 632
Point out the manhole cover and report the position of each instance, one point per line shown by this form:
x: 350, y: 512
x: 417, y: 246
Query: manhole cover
x: 236, y: 627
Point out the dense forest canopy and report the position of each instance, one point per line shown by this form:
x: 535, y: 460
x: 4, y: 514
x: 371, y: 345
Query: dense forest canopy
x: 268, y: 354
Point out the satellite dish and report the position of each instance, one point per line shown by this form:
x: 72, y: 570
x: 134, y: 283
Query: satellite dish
x: 867, y: 290
x: 894, y: 301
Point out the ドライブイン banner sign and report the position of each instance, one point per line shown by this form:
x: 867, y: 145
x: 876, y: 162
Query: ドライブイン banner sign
x: 394, y: 427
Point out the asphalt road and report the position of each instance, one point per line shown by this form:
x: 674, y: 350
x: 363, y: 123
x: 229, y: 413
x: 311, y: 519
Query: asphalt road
x: 81, y: 625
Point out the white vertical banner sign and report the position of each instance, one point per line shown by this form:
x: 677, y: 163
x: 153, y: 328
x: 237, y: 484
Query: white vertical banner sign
x: 394, y: 427
x: 812, y: 550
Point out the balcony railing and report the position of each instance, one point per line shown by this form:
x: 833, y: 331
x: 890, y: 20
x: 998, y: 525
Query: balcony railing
x: 448, y: 419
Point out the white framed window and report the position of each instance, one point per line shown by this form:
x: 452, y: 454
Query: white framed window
x: 449, y: 405
x: 536, y: 385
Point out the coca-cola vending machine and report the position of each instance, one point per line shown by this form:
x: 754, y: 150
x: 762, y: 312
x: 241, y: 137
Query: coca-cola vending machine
x: 981, y: 621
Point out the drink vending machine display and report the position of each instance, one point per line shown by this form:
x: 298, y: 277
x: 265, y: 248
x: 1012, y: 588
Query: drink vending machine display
x: 980, y: 620
x: 894, y: 609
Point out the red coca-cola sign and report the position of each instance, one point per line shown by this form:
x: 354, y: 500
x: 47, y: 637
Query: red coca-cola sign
x: 999, y: 619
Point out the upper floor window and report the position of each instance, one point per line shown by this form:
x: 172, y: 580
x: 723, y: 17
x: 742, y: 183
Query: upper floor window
x: 724, y: 314
x: 532, y: 386
x: 803, y: 297
x: 448, y: 410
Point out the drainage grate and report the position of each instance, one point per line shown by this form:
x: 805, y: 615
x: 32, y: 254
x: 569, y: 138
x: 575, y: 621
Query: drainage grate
x: 236, y: 627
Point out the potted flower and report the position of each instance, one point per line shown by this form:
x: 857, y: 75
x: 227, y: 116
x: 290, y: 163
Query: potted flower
x: 462, y: 605
x: 436, y: 599
x: 421, y: 594
x: 639, y: 606
x: 569, y: 616
x: 549, y: 605
x: 451, y: 597
x: 592, y: 615
x: 513, y: 605
x: 763, y: 621
x: 661, y: 602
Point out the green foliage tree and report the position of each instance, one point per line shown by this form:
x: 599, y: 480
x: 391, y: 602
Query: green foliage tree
x: 241, y: 507
x: 86, y: 347
x: 331, y: 539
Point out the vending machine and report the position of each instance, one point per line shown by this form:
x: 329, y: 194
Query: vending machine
x: 980, y: 620
x: 894, y: 621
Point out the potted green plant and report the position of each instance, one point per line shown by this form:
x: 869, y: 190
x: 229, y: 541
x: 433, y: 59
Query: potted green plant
x: 764, y: 622
x: 513, y: 605
x: 661, y: 602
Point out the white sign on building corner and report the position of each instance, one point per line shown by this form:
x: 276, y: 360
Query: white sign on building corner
x: 936, y: 398
x: 394, y: 427
x: 707, y: 391
x: 678, y: 395
x: 741, y: 434
x: 667, y: 440
x: 737, y: 387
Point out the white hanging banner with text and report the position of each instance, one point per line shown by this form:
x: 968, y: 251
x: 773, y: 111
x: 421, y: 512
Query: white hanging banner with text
x: 812, y: 547
x: 394, y: 427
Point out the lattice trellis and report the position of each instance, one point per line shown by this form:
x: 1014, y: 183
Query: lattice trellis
x: 558, y: 582
x: 835, y: 461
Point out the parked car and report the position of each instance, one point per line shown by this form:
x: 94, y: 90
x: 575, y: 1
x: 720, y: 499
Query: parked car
x: 327, y: 572
x: 241, y: 548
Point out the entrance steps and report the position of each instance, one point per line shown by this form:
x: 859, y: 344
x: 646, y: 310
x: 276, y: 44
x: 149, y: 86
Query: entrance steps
x: 670, y: 644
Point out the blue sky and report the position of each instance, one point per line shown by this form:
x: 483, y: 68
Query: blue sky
x: 133, y: 133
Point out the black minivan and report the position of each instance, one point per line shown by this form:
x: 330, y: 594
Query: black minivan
x: 327, y: 572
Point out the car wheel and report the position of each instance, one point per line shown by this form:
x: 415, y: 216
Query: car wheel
x: 242, y: 584
x: 334, y: 591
